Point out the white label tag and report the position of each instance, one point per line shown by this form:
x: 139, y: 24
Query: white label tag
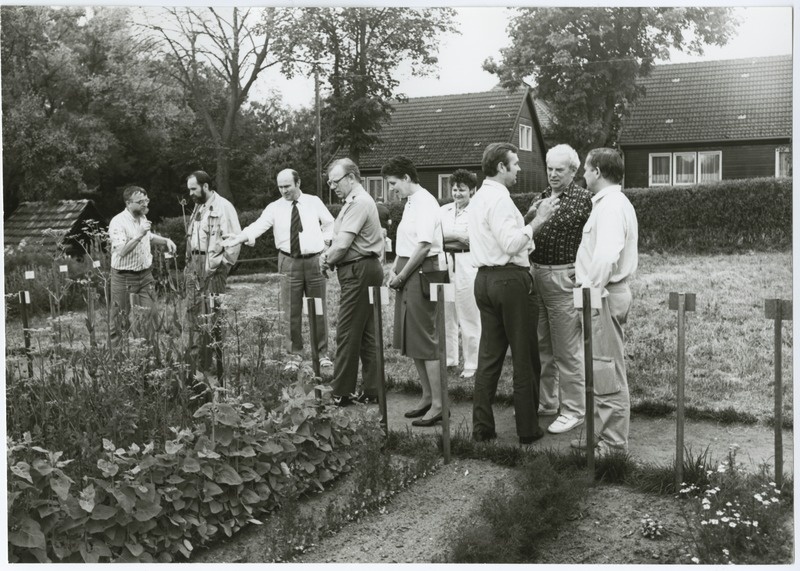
x: 595, y: 297
x: 28, y: 297
x: 63, y: 269
x: 167, y: 255
x: 384, y: 293
x: 318, y: 305
x: 29, y: 275
x: 388, y: 244
x: 449, y: 292
x: 96, y: 263
x: 305, y: 305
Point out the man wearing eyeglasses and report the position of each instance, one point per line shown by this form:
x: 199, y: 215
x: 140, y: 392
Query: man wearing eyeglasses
x: 208, y: 261
x: 354, y: 253
x: 131, y: 259
x: 302, y: 228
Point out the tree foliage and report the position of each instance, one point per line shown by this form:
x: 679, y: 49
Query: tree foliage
x: 221, y: 51
x: 584, y: 62
x: 358, y: 52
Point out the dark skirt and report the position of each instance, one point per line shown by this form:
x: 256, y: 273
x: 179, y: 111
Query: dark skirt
x: 415, y: 317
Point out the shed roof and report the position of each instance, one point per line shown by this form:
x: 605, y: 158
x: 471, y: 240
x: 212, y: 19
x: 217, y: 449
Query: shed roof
x: 52, y: 221
x: 721, y: 100
x: 447, y: 129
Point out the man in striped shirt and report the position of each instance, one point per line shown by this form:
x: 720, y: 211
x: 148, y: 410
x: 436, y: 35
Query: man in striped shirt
x: 131, y: 259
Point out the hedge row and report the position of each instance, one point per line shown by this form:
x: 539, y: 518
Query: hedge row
x: 236, y: 462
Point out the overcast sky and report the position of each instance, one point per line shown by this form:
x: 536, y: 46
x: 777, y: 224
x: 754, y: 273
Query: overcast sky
x: 762, y: 32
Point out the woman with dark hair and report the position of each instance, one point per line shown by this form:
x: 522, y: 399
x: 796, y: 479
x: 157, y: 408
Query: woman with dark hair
x: 464, y: 314
x: 417, y: 247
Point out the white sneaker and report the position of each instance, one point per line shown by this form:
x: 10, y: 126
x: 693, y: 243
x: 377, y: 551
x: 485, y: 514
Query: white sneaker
x: 325, y: 362
x: 547, y: 411
x: 564, y: 423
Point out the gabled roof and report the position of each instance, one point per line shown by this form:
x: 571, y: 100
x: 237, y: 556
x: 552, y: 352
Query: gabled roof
x: 33, y: 221
x: 720, y: 100
x: 447, y: 129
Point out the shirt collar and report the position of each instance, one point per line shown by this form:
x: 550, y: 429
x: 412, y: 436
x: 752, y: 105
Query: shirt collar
x: 605, y: 192
x: 496, y: 185
x: 357, y: 190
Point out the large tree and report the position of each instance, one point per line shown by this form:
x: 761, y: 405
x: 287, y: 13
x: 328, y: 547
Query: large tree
x: 358, y: 52
x: 227, y: 46
x: 584, y: 62
x: 85, y: 107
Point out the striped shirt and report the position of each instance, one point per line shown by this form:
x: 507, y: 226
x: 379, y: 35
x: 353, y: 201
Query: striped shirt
x: 122, y: 228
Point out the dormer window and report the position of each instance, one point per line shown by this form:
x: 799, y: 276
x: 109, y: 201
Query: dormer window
x: 525, y: 138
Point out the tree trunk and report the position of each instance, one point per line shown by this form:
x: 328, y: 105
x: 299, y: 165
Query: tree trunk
x: 224, y: 173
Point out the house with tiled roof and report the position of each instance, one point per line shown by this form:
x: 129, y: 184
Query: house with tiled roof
x: 709, y: 121
x: 443, y: 133
x: 50, y: 225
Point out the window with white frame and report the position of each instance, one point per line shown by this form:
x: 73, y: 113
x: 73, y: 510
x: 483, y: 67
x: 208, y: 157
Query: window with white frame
x: 660, y: 169
x: 444, y: 187
x: 375, y: 187
x: 783, y: 161
x: 525, y: 138
x: 709, y: 164
x: 684, y: 168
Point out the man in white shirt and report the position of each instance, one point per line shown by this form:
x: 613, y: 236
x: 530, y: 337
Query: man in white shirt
x: 500, y: 242
x: 607, y: 257
x: 131, y: 258
x: 302, y: 228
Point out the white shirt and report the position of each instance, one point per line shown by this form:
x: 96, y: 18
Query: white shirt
x: 121, y: 229
x: 453, y: 219
x: 420, y: 223
x: 498, y: 234
x: 608, y: 252
x: 317, y: 224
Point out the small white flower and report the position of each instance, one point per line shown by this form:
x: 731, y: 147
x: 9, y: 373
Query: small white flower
x: 732, y: 524
x: 720, y: 512
x: 725, y: 519
x: 706, y: 507
x: 729, y: 504
x: 704, y: 522
x: 758, y: 497
x: 755, y: 524
x: 774, y: 500
x: 713, y: 521
x: 726, y: 552
x: 695, y: 560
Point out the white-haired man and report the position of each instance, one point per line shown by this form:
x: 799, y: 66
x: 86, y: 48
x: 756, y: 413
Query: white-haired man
x: 561, y: 386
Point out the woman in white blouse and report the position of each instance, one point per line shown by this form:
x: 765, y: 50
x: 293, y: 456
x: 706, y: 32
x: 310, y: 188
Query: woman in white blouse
x: 418, y: 245
x: 464, y: 314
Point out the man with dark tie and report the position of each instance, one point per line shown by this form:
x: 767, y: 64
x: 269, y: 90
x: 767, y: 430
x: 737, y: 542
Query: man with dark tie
x: 303, y: 228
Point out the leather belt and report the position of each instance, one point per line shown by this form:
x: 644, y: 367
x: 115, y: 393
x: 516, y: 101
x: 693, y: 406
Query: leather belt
x: 198, y: 253
x: 505, y: 267
x: 130, y: 271
x: 554, y: 266
x: 348, y: 262
x: 303, y: 256
x: 456, y: 250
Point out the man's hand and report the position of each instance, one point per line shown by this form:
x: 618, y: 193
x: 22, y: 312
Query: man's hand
x: 144, y: 228
x: 323, y: 265
x: 171, y: 247
x: 531, y: 214
x: 546, y: 208
x: 395, y: 282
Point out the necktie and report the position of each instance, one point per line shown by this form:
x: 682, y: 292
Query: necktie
x: 294, y: 232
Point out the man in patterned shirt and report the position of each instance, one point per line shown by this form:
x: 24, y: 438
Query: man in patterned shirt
x: 131, y: 258
x: 553, y: 270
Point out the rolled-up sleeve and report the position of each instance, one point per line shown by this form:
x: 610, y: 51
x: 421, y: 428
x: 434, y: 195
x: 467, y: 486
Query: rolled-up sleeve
x: 504, y: 221
x: 325, y: 221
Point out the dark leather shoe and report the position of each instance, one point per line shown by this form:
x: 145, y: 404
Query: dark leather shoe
x: 341, y: 401
x: 417, y: 412
x: 429, y: 422
x: 363, y: 397
x: 531, y: 439
x: 484, y: 436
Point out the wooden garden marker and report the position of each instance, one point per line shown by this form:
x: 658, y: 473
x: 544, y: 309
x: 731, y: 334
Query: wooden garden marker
x: 778, y: 310
x: 313, y: 308
x: 588, y: 299
x: 681, y: 302
x: 24, y: 301
x: 441, y: 293
x: 90, y: 311
x: 378, y: 297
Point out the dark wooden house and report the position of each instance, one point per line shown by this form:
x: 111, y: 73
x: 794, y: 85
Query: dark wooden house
x: 709, y: 121
x: 443, y: 133
x: 51, y: 225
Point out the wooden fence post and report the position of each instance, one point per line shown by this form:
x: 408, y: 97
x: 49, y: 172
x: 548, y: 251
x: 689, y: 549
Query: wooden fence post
x: 378, y: 296
x: 778, y: 310
x: 438, y: 294
x: 314, y: 308
x: 588, y: 299
x: 681, y: 302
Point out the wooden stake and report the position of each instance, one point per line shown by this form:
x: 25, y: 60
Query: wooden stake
x: 311, y: 306
x: 680, y: 302
x: 588, y: 357
x: 440, y: 328
x: 24, y: 297
x: 778, y: 310
x: 377, y: 316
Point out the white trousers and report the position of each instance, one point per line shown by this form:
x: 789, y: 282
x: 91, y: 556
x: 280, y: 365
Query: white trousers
x: 463, y: 314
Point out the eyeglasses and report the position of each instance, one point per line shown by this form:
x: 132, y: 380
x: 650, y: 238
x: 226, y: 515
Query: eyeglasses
x: 143, y: 201
x: 333, y: 183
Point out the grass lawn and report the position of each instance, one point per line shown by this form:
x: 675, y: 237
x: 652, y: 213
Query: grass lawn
x: 729, y: 341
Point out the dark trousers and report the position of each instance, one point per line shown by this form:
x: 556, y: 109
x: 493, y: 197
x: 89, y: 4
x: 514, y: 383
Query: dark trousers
x: 355, y: 329
x: 509, y: 317
x: 303, y: 277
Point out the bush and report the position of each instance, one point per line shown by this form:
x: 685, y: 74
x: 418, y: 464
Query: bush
x: 145, y: 504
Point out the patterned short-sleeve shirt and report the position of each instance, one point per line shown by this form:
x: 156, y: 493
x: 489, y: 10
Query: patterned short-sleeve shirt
x: 558, y: 240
